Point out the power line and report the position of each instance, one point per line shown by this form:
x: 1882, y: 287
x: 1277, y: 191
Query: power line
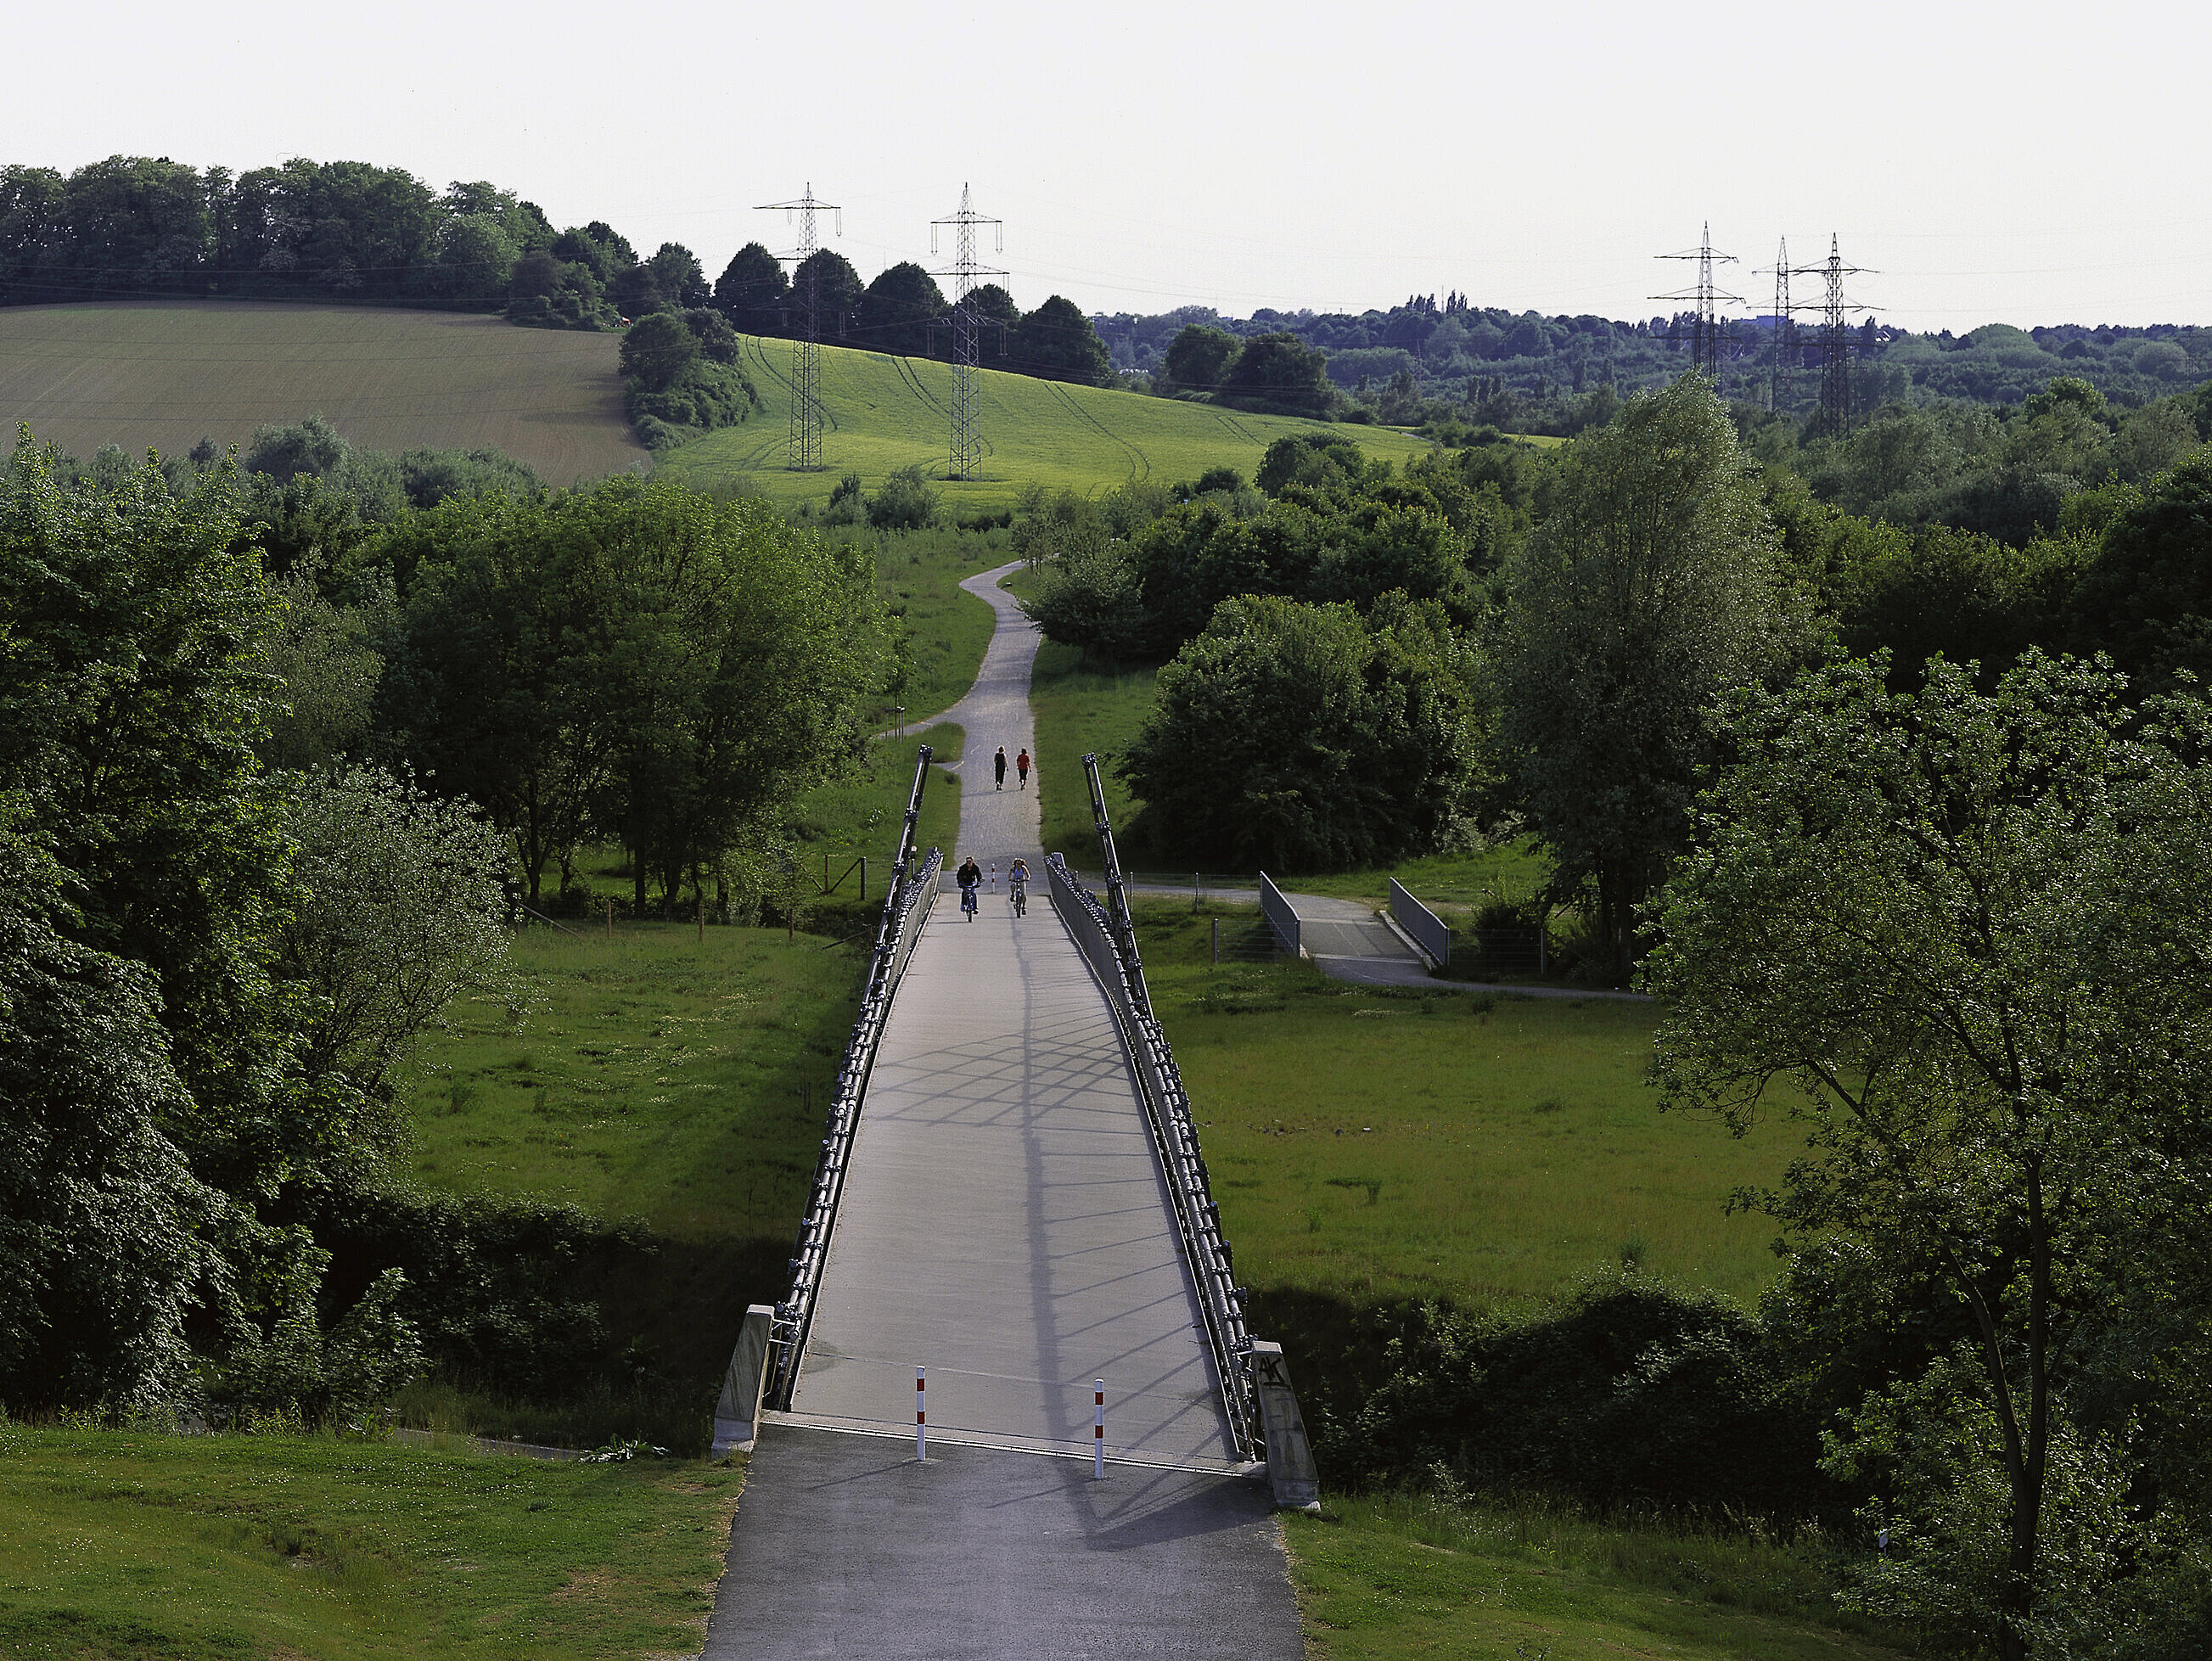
x: 1706, y: 335
x: 806, y: 351
x: 967, y: 403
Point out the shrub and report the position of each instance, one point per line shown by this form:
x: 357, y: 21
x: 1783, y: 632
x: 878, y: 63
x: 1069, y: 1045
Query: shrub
x: 905, y: 504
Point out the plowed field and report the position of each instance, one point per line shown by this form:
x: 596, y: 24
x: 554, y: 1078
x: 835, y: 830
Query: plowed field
x: 168, y: 374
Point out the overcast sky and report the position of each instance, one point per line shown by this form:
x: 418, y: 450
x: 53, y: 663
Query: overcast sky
x: 2030, y: 164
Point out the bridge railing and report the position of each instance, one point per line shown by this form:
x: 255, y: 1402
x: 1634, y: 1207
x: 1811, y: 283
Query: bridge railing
x: 1423, y: 926
x: 905, y: 907
x: 1282, y: 916
x: 1167, y: 1106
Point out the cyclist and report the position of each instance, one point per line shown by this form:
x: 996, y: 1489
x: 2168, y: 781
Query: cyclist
x: 970, y: 876
x: 1017, y: 882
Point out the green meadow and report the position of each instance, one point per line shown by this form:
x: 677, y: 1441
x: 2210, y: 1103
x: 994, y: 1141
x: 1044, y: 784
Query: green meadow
x: 127, y: 1546
x: 1369, y: 1145
x: 883, y: 413
x: 1393, y: 1577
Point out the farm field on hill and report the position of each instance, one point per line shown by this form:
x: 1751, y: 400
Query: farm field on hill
x: 883, y: 413
x: 164, y: 374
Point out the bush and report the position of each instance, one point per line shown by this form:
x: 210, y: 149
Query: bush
x: 905, y: 504
x: 1637, y: 1392
x: 1303, y: 738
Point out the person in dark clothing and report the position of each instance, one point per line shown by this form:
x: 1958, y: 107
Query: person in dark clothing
x: 998, y: 767
x: 970, y: 876
x: 1022, y: 766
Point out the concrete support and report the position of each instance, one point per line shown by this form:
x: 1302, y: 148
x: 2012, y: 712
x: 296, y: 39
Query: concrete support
x: 1291, y: 1469
x: 736, y: 1415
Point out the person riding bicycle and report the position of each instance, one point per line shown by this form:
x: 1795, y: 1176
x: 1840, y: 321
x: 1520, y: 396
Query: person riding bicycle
x: 1017, y: 883
x: 970, y: 876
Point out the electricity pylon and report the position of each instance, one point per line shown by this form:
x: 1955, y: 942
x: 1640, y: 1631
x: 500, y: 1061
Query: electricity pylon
x: 1707, y: 334
x: 967, y: 399
x: 805, y: 351
x: 1835, y: 341
x: 1785, y: 329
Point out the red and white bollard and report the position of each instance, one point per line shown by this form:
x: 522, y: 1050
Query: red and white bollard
x: 1098, y: 1430
x: 921, y: 1418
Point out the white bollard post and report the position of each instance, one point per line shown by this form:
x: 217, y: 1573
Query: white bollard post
x: 921, y: 1418
x: 1098, y: 1430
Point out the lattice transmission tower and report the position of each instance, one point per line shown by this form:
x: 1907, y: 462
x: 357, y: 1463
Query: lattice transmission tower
x: 967, y: 399
x: 1707, y: 335
x: 806, y: 351
x: 1785, y: 328
x: 1835, y: 340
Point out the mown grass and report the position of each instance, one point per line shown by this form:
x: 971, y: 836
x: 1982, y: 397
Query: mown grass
x: 1385, y: 1577
x: 1371, y: 1145
x: 166, y: 373
x: 660, y: 1075
x: 883, y: 413
x: 1080, y: 710
x: 123, y: 1544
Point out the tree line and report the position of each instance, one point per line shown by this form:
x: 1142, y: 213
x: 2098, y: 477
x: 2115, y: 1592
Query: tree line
x: 135, y: 225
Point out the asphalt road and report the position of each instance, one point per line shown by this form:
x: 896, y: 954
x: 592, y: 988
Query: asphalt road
x: 845, y: 1546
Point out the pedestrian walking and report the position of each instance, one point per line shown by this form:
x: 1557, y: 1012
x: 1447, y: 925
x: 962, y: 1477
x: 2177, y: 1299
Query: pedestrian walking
x: 998, y: 767
x: 970, y: 876
x: 1022, y: 766
x: 1018, y: 884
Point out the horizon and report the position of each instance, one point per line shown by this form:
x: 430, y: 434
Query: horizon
x: 2035, y: 176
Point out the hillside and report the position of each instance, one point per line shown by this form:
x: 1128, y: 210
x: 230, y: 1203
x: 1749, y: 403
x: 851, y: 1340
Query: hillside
x: 168, y: 374
x: 887, y: 412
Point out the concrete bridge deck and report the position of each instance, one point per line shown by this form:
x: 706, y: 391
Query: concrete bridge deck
x: 1005, y: 1223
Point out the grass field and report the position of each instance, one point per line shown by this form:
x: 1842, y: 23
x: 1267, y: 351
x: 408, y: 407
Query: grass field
x: 1079, y: 711
x: 124, y: 1546
x: 883, y: 413
x: 1368, y: 1146
x: 1385, y: 1577
x: 164, y: 374
x: 947, y: 629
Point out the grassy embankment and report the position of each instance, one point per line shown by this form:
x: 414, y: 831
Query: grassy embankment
x: 883, y: 413
x: 125, y: 1545
x: 166, y: 373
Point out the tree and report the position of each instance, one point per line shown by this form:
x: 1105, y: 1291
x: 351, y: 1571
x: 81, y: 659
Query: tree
x: 1197, y: 358
x: 1088, y: 596
x: 996, y: 319
x: 657, y: 349
x: 676, y: 273
x: 1650, y: 589
x: 132, y: 699
x: 825, y: 279
x: 400, y: 913
x: 102, y: 1252
x: 1306, y: 738
x: 1960, y: 936
x: 1057, y: 343
x: 329, y: 671
x: 752, y: 291
x: 899, y: 312
x: 1281, y: 371
x: 2147, y: 597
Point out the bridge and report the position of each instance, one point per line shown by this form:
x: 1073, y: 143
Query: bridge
x: 1012, y: 1196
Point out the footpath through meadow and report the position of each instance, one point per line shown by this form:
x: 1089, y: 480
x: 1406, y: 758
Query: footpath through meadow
x: 1005, y: 1225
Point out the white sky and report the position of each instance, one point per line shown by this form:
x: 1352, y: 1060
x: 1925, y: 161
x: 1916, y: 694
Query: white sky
x: 2030, y: 164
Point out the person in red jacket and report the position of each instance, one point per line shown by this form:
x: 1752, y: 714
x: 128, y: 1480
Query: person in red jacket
x: 1022, y: 766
